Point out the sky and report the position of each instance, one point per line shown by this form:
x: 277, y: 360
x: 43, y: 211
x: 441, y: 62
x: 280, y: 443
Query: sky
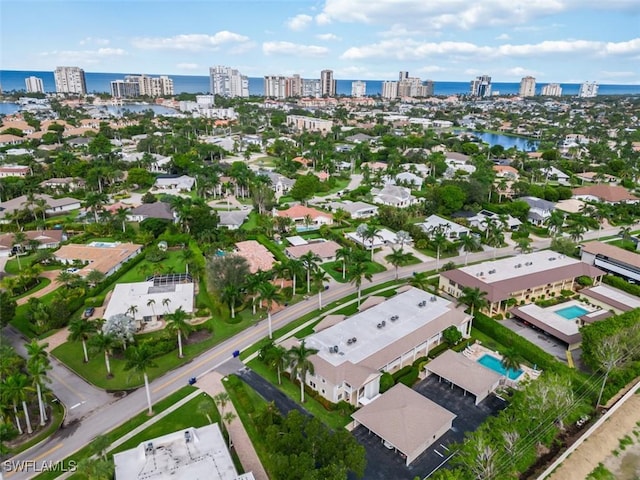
x: 568, y: 41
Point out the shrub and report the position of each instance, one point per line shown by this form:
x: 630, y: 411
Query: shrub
x: 155, y: 255
x: 386, y: 382
x: 584, y: 281
x: 96, y: 301
x: 402, y: 372
x: 410, y: 378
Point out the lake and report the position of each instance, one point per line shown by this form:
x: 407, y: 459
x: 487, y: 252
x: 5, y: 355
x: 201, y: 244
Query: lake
x: 8, y: 108
x: 507, y: 141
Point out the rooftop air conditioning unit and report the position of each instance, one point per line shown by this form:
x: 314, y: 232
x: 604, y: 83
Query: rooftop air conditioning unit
x: 187, y: 436
x: 383, y: 323
x: 349, y: 342
x: 379, y: 325
x: 394, y: 318
x: 433, y: 299
x: 551, y: 259
x: 354, y: 340
x: 422, y: 303
x: 335, y: 348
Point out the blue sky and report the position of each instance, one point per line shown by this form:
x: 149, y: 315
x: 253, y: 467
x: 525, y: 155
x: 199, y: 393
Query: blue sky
x: 554, y: 40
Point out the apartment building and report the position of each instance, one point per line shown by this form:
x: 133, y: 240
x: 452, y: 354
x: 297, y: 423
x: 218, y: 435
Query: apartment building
x: 358, y: 89
x: 275, y: 86
x: 481, y: 86
x: 228, y: 82
x: 588, y: 90
x: 527, y: 87
x: 70, y: 80
x: 389, y: 90
x: 552, y: 90
x: 327, y: 83
x: 310, y: 124
x: 34, y: 84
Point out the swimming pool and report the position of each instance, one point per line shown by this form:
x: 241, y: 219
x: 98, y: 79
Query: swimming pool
x: 574, y: 311
x: 304, y: 228
x: 102, y: 244
x: 494, y: 364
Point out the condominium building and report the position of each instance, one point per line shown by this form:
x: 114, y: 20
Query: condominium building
x: 358, y: 89
x: 552, y: 90
x: 389, y: 90
x: 527, y: 87
x: 142, y: 86
x: 70, y: 80
x: 481, y: 86
x: 293, y: 86
x: 125, y: 89
x: 275, y: 86
x: 228, y: 82
x: 407, y: 86
x: 311, y: 87
x: 310, y: 124
x: 588, y: 90
x: 327, y: 83
x: 34, y: 85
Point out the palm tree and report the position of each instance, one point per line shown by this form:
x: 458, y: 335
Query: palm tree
x: 18, y: 386
x: 152, y: 303
x: 65, y: 278
x: 229, y: 295
x: 177, y: 323
x: 398, y: 258
x: 227, y: 418
x: 18, y: 239
x: 510, y: 360
x: 357, y: 272
x: 165, y: 304
x: 104, y: 342
x: 469, y: 244
x: 38, y: 368
x: 269, y: 293
x: 133, y: 309
x: 625, y: 233
x: 94, y: 277
x: 439, y: 240
x: 298, y: 360
x: 402, y: 238
x: 556, y: 222
x: 576, y: 232
x: 121, y: 215
x: 139, y: 360
x: 310, y: 261
x: 296, y: 268
x: 419, y: 280
x: 36, y: 350
x: 344, y: 254
x: 524, y: 245
x: 274, y: 356
x: 319, y: 278
x: 371, y: 233
x: 95, y: 469
x: 474, y: 298
x: 280, y: 269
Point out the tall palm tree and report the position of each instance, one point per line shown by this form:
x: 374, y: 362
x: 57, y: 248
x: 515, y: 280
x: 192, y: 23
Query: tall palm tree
x: 18, y: 240
x: 371, y: 233
x: 398, y: 258
x: 274, y: 356
x: 165, y: 304
x: 510, y: 360
x: 177, y: 323
x: 319, y: 278
x: 81, y: 329
x: 524, y: 245
x: 474, y: 298
x: 269, y: 294
x: 104, y: 342
x: 344, y: 254
x: 121, y: 215
x: 18, y: 384
x: 296, y: 268
x: 469, y: 244
x: 310, y: 261
x: 38, y: 368
x: 152, y: 303
x: 281, y: 270
x: 420, y: 280
x: 357, y: 273
x: 555, y: 222
x: 9, y: 391
x: 438, y: 238
x: 298, y: 360
x: 37, y: 350
x: 133, y: 309
x: 229, y: 295
x: 140, y: 361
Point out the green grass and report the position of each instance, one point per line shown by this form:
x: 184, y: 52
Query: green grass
x: 626, y: 244
x: 601, y: 473
x: 173, y: 263
x: 58, y: 416
x: 341, y: 184
x: 486, y: 340
x: 331, y: 419
x: 335, y: 270
x: 123, y: 429
x: 43, y: 282
x: 251, y: 223
x: 411, y: 260
x: 12, y: 266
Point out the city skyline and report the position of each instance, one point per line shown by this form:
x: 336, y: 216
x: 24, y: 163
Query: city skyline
x: 564, y: 41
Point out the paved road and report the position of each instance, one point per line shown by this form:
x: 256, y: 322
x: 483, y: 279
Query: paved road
x: 117, y: 412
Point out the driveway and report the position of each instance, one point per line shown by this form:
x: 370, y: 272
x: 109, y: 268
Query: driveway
x: 270, y: 393
x: 547, y: 343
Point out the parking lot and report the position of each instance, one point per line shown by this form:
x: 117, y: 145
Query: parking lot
x: 383, y: 463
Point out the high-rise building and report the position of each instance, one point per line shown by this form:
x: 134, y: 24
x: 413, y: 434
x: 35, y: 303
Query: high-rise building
x: 403, y: 75
x: 327, y: 83
x: 358, y: 89
x: 70, y: 80
x: 311, y: 87
x: 293, y: 86
x: 34, y: 85
x: 125, y: 89
x: 481, y: 86
x: 527, y: 87
x: 228, y: 82
x: 142, y: 86
x: 389, y: 90
x: 428, y: 88
x: 275, y: 86
x: 588, y: 90
x: 552, y: 90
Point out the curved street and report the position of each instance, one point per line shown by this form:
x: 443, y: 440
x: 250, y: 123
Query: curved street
x: 102, y: 412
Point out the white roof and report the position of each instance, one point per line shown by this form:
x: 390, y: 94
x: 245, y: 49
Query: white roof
x: 616, y: 295
x: 385, y: 236
x: 507, y: 268
x: 364, y: 326
x: 548, y: 316
x: 435, y: 221
x: 296, y: 240
x: 127, y: 294
x: 170, y: 457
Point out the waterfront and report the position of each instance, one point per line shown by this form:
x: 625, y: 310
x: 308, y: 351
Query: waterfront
x: 507, y: 141
x: 101, y: 83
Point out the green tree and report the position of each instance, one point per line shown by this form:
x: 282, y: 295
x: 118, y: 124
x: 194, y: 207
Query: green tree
x: 357, y: 273
x: 139, y: 360
x: 178, y: 324
x: 18, y: 385
x: 319, y: 278
x: 104, y: 342
x: 270, y: 295
x: 300, y: 364
x: 469, y: 244
x: 510, y: 360
x: 274, y: 356
x: 452, y: 335
x: 37, y: 367
x: 344, y: 254
x: 7, y: 308
x: 524, y: 245
x: 305, y: 187
x: 310, y: 261
x: 438, y: 238
x: 296, y: 268
x: 474, y: 298
x: 398, y: 258
x: 19, y: 238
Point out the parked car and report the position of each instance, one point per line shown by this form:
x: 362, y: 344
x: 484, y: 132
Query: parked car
x: 89, y: 311
x: 72, y: 270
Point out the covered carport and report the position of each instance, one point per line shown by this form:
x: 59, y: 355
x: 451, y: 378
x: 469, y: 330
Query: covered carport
x: 405, y: 421
x: 465, y: 373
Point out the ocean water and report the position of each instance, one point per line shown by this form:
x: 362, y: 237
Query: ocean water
x: 101, y: 83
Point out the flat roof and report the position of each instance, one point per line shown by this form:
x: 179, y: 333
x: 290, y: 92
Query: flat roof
x: 139, y: 294
x: 296, y: 240
x: 612, y: 252
x: 404, y: 418
x: 385, y: 235
x: 204, y: 456
x: 464, y: 372
x: 613, y: 297
x: 372, y: 339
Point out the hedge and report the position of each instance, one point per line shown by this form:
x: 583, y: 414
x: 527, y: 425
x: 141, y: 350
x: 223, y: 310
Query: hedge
x: 410, y: 378
x: 622, y: 284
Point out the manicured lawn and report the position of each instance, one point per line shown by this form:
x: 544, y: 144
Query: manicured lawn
x: 626, y: 244
x: 331, y: 419
x: 172, y: 264
x: 411, y: 260
x: 251, y: 223
x: 486, y: 340
x: 335, y: 270
x: 43, y: 282
x: 340, y: 184
x: 123, y: 429
x: 20, y: 320
x: 12, y: 265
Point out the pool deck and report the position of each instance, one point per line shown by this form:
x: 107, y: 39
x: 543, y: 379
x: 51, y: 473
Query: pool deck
x: 476, y: 351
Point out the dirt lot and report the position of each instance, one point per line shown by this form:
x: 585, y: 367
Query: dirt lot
x: 599, y: 447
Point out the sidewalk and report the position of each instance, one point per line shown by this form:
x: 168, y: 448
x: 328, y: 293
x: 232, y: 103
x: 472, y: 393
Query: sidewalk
x: 211, y: 383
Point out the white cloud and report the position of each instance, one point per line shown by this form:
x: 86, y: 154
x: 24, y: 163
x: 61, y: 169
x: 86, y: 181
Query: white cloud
x: 503, y: 36
x: 192, y: 42
x: 95, y: 41
x: 520, y: 72
x: 293, y: 49
x: 188, y: 66
x: 299, y: 22
x: 89, y: 57
x: 323, y: 19
x: 327, y: 37
x: 432, y: 69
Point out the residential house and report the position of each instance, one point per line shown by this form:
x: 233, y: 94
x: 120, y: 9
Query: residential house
x: 232, y: 220
x: 159, y: 210
x: 66, y: 184
x: 44, y: 238
x: 53, y: 206
x: 305, y: 216
x: 383, y: 237
x: 181, y: 183
x: 106, y: 257
x: 280, y: 184
x: 393, y: 195
x: 612, y: 259
x: 553, y: 174
x: 408, y: 179
x: 256, y: 254
x: 484, y: 217
x: 539, y: 209
x: 597, y: 177
x: 605, y: 193
x: 507, y: 172
x: 14, y: 171
x: 452, y: 230
x: 355, y: 209
x: 325, y: 249
x: 6, y: 139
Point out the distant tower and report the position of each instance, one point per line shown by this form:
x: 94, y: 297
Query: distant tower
x: 527, y: 87
x: 34, y: 85
x: 588, y: 90
x: 481, y: 86
x: 228, y: 82
x: 552, y: 90
x: 358, y: 89
x: 403, y: 75
x: 70, y: 80
x: 389, y: 90
x: 327, y: 83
